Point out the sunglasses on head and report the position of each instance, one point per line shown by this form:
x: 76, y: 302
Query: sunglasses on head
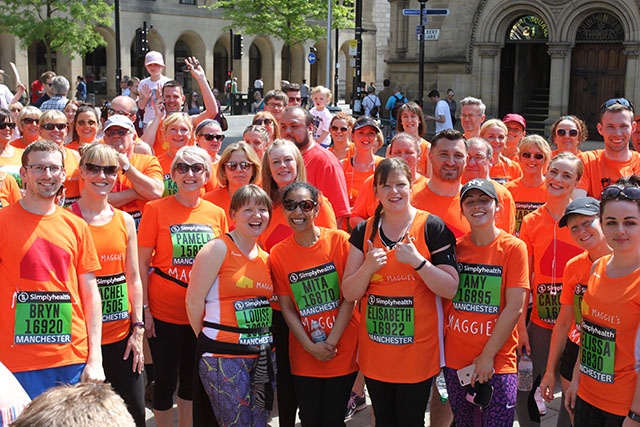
x: 232, y: 166
x: 305, y: 205
x: 92, y: 169
x: 613, y: 192
x: 260, y: 122
x: 30, y: 121
x: 211, y: 137
x: 341, y: 129
x: 572, y: 132
x: 621, y: 101
x: 537, y: 156
x: 52, y: 126
x: 9, y: 125
x: 183, y: 168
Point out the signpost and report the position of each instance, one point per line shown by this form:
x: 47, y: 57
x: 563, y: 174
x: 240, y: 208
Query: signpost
x: 311, y: 58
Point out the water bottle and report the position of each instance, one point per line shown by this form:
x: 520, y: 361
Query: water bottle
x: 525, y: 373
x: 441, y: 385
x: 317, y: 332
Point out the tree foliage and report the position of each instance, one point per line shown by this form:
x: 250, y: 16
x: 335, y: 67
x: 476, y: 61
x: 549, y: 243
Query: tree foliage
x: 293, y: 21
x: 62, y: 25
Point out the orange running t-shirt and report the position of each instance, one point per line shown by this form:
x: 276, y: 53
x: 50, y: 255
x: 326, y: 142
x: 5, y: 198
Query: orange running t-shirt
x: 506, y: 170
x: 177, y: 233
x: 574, y: 284
x: 600, y: 172
x: 486, y: 272
x: 313, y: 280
x: 150, y: 167
x: 446, y: 207
x: 424, y: 165
x: 551, y: 248
x: 9, y: 190
x: 221, y: 198
x: 13, y: 164
x: 610, y: 340
x: 355, y: 179
x: 170, y: 187
x: 42, y: 323
x: 526, y: 199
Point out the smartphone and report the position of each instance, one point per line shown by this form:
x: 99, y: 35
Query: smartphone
x: 480, y: 395
x: 464, y: 374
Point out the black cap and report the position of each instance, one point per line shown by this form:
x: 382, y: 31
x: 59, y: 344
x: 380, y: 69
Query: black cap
x: 582, y: 206
x: 364, y: 121
x: 483, y: 185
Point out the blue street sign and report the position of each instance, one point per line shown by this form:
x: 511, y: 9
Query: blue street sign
x: 416, y: 12
x: 311, y: 58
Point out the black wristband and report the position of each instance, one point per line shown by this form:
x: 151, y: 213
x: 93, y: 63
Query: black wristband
x: 422, y: 264
x: 634, y: 417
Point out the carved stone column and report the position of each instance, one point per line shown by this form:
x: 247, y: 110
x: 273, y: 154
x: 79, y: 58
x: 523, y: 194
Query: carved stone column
x: 631, y: 90
x: 559, y: 79
x: 489, y: 75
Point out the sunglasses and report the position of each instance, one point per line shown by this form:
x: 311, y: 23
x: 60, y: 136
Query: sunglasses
x: 111, y: 112
x: 92, y: 169
x: 30, y: 121
x: 231, y: 166
x: 613, y: 192
x: 341, y: 129
x: 196, y: 168
x: 86, y: 122
x: 113, y: 132
x: 572, y: 132
x: 260, y: 122
x: 211, y: 137
x: 295, y: 98
x: 9, y: 125
x: 622, y: 101
x: 52, y: 126
x: 305, y: 205
x: 537, y: 156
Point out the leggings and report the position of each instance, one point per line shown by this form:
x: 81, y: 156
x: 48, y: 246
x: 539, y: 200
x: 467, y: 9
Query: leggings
x: 499, y: 413
x: 323, y: 400
x: 399, y: 405
x: 287, y: 401
x: 587, y: 415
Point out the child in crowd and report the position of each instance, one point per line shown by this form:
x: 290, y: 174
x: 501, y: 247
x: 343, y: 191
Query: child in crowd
x: 150, y: 88
x: 321, y: 96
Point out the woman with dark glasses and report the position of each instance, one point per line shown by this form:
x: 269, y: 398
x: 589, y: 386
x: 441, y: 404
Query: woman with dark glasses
x: 177, y: 129
x: 567, y: 133
x: 114, y: 234
x: 10, y: 156
x: 27, y: 121
x: 605, y: 389
x: 340, y: 130
x: 239, y: 165
x: 209, y: 136
x: 171, y: 232
x: 529, y: 191
x: 86, y: 125
x: 324, y: 329
x: 266, y: 119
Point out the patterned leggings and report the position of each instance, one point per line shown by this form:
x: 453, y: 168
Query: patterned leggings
x: 227, y: 381
x: 499, y: 413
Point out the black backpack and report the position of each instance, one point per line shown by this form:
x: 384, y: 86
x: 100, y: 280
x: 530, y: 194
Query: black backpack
x: 396, y: 107
x: 374, y: 111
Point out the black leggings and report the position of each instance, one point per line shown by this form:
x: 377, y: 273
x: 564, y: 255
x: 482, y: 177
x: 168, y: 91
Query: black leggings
x: 323, y: 401
x: 399, y: 405
x: 287, y: 401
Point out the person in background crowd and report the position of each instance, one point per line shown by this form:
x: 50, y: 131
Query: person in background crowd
x: 81, y: 89
x: 266, y: 119
x: 150, y: 88
x: 258, y: 102
x: 442, y: 115
x: 411, y: 120
x: 86, y: 125
x: 502, y: 169
x: 60, y: 87
x: 321, y: 97
x: 516, y: 130
x: 37, y: 88
x: 46, y: 78
x: 192, y: 107
x: 27, y: 122
x: 293, y: 93
x: 15, y: 109
x: 124, y: 86
x: 391, y: 104
x: 304, y: 93
x: 453, y: 105
x: 70, y: 110
x: 6, y: 96
x: 275, y: 101
x: 371, y: 103
x: 472, y: 115
x: 567, y: 133
x: 258, y: 138
x: 209, y: 136
x: 340, y: 128
x: 177, y: 128
x: 10, y: 156
x: 635, y: 136
x: 126, y: 106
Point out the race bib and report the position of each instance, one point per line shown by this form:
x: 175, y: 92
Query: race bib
x: 187, y: 240
x: 43, y: 318
x: 170, y: 186
x: 598, y: 350
x: 578, y: 294
x: 548, y: 301
x: 522, y: 210
x: 390, y: 320
x: 316, y: 290
x: 480, y: 288
x: 115, y: 297
x: 254, y: 313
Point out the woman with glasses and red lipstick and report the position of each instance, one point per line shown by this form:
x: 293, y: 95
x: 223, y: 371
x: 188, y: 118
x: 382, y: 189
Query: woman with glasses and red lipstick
x: 239, y: 165
x: 114, y: 234
x: 324, y: 330
x: 209, y: 136
x: 567, y: 133
x: 171, y: 232
x: 605, y: 389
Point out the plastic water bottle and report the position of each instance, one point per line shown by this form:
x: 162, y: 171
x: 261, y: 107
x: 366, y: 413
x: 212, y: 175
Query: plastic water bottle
x: 525, y: 373
x: 441, y: 385
x: 317, y: 333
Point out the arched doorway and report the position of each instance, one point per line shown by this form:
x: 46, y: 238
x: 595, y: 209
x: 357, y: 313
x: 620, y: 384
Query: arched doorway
x: 220, y: 64
x: 182, y: 51
x: 598, y: 67
x: 255, y: 64
x: 95, y: 70
x: 524, y: 72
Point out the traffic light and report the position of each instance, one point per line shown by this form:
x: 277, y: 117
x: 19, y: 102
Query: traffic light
x: 237, y: 46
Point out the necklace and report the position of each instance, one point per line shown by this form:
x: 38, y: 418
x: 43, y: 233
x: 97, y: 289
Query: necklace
x: 388, y: 243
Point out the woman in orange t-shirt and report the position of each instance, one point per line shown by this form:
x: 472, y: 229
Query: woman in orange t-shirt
x: 324, y: 330
x: 208, y: 135
x: 114, y: 234
x: 27, y: 121
x: 172, y: 231
x: 411, y: 120
x: 177, y: 129
x: 86, y: 125
x: 567, y: 133
x: 401, y: 263
x: 607, y: 379
x: 340, y: 129
x: 529, y: 191
x: 10, y: 156
x: 482, y: 318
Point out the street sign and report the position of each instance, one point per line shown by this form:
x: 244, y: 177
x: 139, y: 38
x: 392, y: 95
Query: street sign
x: 431, y: 33
x: 311, y: 58
x: 416, y: 12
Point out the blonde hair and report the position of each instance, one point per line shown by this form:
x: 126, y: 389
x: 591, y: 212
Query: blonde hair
x: 99, y: 154
x: 268, y: 183
x: 252, y: 157
x: 323, y: 90
x: 493, y: 123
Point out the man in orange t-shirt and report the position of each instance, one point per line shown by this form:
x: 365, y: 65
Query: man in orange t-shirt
x: 50, y: 328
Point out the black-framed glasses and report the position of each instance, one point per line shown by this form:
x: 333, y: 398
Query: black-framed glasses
x: 563, y: 132
x: 260, y: 122
x: 621, y: 101
x: 274, y: 105
x: 196, y: 168
x: 92, y: 169
x: 9, y: 125
x: 232, y: 166
x: 116, y: 132
x: 52, y: 126
x: 41, y: 169
x: 30, y: 121
x: 305, y: 205
x: 341, y: 129
x: 477, y: 158
x: 613, y: 192
x: 537, y: 156
x: 211, y: 137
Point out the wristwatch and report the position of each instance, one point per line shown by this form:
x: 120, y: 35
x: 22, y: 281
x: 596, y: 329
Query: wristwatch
x: 126, y: 168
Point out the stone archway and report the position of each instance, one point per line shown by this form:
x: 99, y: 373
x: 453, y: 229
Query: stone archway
x: 261, y: 62
x: 221, y: 63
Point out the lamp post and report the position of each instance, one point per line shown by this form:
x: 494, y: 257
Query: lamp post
x: 116, y: 8
x: 421, y: 54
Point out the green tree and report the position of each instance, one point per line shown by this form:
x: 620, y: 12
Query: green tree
x: 293, y: 21
x: 62, y: 25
